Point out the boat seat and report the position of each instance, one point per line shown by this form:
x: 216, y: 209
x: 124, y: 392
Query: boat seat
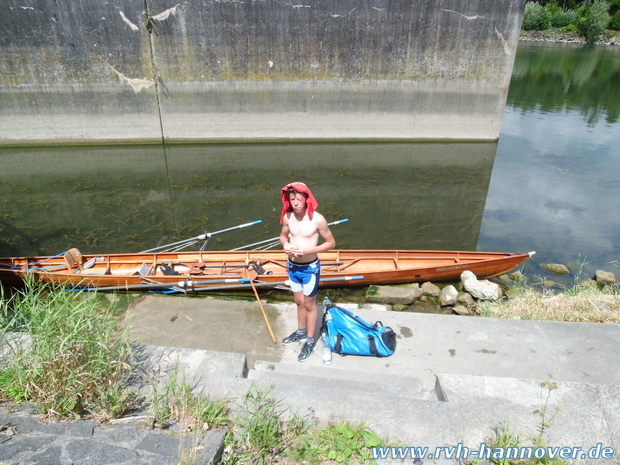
x: 144, y: 270
x: 73, y: 258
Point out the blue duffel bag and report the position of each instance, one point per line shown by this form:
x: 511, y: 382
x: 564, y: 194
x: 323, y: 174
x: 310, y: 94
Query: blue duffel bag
x: 348, y: 334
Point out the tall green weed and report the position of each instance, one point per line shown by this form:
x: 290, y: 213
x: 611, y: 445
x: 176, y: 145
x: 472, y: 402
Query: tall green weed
x: 70, y: 356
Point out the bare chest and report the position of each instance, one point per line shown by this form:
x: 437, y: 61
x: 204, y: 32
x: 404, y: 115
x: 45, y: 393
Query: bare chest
x: 302, y: 229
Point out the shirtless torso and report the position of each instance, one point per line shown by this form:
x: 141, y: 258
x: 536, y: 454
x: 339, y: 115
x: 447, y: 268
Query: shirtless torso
x: 300, y: 234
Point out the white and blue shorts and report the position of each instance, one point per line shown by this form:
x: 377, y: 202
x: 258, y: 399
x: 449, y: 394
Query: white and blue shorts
x: 305, y: 277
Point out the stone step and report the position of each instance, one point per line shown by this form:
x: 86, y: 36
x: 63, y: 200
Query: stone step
x: 326, y: 377
x: 391, y: 411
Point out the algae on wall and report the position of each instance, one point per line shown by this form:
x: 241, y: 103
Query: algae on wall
x: 211, y: 70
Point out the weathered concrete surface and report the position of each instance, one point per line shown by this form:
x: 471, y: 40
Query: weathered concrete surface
x: 83, y: 71
x: 452, y: 379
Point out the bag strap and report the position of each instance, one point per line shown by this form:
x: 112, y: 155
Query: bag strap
x: 356, y: 318
x: 372, y: 345
x: 338, y: 344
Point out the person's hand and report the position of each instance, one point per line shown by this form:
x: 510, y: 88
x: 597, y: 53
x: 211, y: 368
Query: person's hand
x: 293, y: 251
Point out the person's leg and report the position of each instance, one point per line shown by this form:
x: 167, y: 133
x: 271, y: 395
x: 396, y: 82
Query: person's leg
x: 310, y: 314
x: 300, y: 302
x: 302, y: 326
x: 310, y: 317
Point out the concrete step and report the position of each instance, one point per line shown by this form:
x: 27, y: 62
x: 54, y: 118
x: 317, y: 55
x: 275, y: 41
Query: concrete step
x: 393, y: 412
x: 326, y: 377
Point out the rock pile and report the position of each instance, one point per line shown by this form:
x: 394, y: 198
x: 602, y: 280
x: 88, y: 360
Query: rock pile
x: 429, y: 297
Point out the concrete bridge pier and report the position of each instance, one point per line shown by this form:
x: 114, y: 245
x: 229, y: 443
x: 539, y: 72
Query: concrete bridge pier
x: 87, y: 71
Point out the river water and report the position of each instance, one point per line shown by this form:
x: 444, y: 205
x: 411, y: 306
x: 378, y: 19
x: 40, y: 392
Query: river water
x: 549, y: 185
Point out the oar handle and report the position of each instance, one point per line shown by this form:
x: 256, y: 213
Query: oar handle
x: 207, y: 235
x: 187, y: 284
x: 202, y: 237
x: 266, y: 241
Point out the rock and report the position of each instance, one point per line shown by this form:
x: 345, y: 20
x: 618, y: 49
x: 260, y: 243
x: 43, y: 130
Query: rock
x: 465, y: 298
x: 461, y: 310
x: 604, y: 278
x: 483, y: 290
x: 431, y: 289
x: 400, y: 308
x: 557, y: 269
x: 505, y: 278
x: 587, y: 284
x: 517, y: 277
x: 405, y: 294
x: 601, y: 306
x: 448, y: 296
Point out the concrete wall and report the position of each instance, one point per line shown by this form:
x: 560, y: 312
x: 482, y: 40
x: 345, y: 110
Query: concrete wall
x: 90, y: 70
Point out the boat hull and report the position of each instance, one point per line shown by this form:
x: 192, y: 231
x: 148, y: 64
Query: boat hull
x: 227, y: 270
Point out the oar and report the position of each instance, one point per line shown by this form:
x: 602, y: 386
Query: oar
x: 262, y: 309
x: 187, y: 284
x: 26, y: 265
x: 196, y: 286
x: 203, y: 237
x: 270, y: 284
x: 268, y: 241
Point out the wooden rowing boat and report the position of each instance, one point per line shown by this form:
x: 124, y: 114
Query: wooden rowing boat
x: 227, y: 270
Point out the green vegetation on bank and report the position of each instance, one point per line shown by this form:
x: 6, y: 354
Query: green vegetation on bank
x: 583, y: 302
x: 65, y: 352
x: 590, y: 18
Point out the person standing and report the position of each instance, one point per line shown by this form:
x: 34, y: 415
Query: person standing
x: 302, y: 227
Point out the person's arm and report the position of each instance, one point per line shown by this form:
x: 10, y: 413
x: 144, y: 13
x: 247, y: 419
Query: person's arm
x: 327, y: 236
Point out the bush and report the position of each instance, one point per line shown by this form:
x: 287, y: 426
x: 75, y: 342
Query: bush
x: 614, y: 7
x: 558, y: 17
x: 614, y: 22
x: 535, y: 17
x: 591, y: 19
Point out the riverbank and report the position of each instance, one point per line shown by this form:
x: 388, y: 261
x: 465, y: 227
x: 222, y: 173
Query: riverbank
x: 559, y: 36
x: 447, y: 369
x: 452, y: 380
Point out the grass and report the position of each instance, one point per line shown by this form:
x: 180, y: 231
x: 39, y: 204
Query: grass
x: 506, y: 444
x: 176, y: 401
x: 263, y: 433
x: 71, y: 357
x: 584, y: 302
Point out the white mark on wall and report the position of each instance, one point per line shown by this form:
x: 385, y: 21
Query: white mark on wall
x: 504, y: 43
x: 270, y: 64
x: 166, y: 13
x: 25, y: 8
x: 129, y: 23
x: 469, y: 18
x: 378, y: 9
x: 300, y: 6
x: 343, y: 16
x: 136, y: 84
